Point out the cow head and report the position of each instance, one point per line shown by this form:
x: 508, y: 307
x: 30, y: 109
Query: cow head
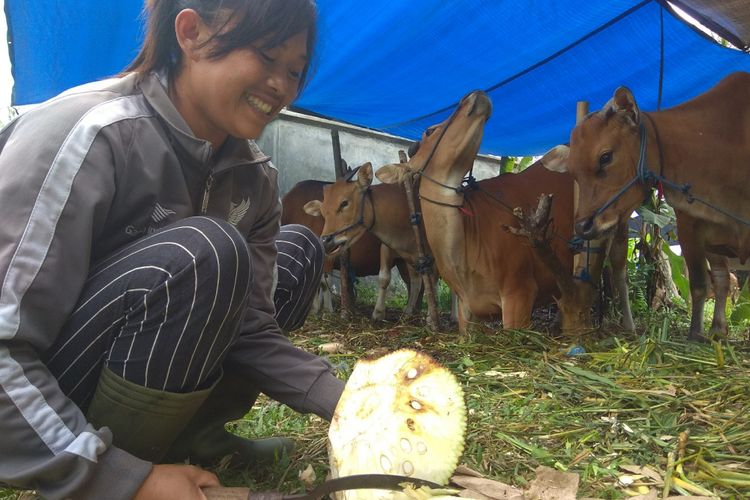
x: 447, y: 150
x: 603, y: 158
x: 346, y: 210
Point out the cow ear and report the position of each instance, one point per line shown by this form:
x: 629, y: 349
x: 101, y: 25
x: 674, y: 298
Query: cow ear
x: 312, y: 208
x: 364, y: 177
x: 392, y: 174
x: 623, y: 103
x: 556, y: 159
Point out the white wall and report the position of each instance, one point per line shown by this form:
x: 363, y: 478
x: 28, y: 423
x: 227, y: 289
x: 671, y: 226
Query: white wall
x: 301, y: 148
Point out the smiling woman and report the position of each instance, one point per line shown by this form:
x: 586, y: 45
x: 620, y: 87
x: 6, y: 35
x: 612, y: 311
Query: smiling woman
x: 149, y: 305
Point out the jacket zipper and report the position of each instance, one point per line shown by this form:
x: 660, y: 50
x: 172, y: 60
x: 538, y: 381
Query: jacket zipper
x: 207, y: 191
x: 208, y: 185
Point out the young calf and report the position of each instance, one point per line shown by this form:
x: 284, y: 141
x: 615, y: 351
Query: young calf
x: 364, y: 257
x: 352, y: 209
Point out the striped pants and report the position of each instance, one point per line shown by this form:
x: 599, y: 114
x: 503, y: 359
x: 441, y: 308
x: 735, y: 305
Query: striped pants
x: 164, y: 311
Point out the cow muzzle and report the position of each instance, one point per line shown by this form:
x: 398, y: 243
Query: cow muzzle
x: 479, y: 104
x: 585, y: 228
x: 331, y: 244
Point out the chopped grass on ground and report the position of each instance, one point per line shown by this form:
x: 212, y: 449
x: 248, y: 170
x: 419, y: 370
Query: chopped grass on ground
x: 631, y: 412
x: 675, y: 407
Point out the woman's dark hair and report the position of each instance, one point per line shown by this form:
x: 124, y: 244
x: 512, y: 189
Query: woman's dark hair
x: 273, y: 21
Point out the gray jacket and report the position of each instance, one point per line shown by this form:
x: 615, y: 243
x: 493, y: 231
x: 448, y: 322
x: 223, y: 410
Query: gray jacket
x: 80, y: 176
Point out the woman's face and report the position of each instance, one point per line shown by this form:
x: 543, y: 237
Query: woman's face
x: 240, y: 93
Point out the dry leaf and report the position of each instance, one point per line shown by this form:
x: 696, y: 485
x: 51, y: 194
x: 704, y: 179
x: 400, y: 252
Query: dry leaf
x: 464, y: 470
x: 308, y: 477
x: 488, y: 488
x: 474, y: 495
x: 331, y: 347
x: 645, y: 471
x: 551, y: 484
x: 501, y: 375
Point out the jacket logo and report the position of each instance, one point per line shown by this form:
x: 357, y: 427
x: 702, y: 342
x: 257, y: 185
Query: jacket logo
x: 238, y: 210
x: 160, y: 213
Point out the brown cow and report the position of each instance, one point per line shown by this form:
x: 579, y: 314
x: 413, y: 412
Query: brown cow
x: 491, y: 270
x: 698, y: 151
x: 354, y: 209
x: 365, y: 257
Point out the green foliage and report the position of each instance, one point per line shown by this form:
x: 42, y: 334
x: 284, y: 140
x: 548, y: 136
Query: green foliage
x: 515, y: 164
x: 443, y: 296
x: 638, y: 275
x: 661, y: 218
x: 741, y: 314
x: 677, y: 263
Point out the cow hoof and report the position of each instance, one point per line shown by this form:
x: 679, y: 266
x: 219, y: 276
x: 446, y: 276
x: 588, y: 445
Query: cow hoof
x: 718, y: 334
x: 697, y: 337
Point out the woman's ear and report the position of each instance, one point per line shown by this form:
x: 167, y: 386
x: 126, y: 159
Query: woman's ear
x: 191, y: 32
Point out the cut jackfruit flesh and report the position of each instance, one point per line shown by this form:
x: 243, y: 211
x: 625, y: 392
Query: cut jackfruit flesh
x: 400, y: 414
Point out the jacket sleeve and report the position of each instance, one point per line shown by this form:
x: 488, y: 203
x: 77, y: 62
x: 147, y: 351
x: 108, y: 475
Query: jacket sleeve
x: 53, y: 193
x: 288, y: 374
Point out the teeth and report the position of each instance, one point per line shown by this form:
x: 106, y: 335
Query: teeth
x: 262, y: 106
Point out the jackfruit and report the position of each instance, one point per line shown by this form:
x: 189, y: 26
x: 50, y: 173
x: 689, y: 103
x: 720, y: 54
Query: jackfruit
x: 399, y: 414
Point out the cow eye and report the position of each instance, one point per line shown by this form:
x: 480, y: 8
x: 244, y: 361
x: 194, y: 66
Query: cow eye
x: 605, y: 159
x: 344, y: 204
x: 429, y: 131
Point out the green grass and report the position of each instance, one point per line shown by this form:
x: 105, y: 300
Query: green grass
x: 648, y: 399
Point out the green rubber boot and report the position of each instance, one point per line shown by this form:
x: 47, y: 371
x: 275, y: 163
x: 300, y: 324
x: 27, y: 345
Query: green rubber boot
x: 144, y: 422
x: 205, y: 441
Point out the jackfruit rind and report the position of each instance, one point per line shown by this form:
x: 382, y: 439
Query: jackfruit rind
x: 399, y: 414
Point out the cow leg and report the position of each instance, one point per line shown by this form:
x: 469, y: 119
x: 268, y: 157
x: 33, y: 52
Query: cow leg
x: 322, y: 299
x: 517, y: 309
x: 720, y: 282
x: 317, y: 303
x: 618, y: 259
x: 387, y: 257
x: 464, y: 317
x: 416, y: 287
x: 454, y: 307
x: 325, y: 292
x: 695, y: 258
x: 433, y: 311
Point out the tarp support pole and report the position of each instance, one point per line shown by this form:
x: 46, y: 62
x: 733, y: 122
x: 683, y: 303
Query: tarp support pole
x: 346, y: 292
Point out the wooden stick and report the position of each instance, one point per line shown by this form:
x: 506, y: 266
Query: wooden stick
x: 223, y: 493
x: 338, y: 165
x: 428, y: 278
x: 536, y: 227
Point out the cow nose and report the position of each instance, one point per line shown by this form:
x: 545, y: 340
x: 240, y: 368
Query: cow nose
x: 585, y: 228
x: 328, y: 244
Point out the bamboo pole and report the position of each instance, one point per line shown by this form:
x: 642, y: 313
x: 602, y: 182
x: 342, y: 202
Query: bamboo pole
x: 346, y: 295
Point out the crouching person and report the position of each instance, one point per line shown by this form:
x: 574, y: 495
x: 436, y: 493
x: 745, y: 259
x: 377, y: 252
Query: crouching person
x: 146, y: 283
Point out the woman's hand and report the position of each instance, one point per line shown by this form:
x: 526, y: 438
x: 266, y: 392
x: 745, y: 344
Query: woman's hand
x: 179, y: 482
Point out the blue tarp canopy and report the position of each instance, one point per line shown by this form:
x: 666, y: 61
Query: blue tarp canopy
x: 400, y: 66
